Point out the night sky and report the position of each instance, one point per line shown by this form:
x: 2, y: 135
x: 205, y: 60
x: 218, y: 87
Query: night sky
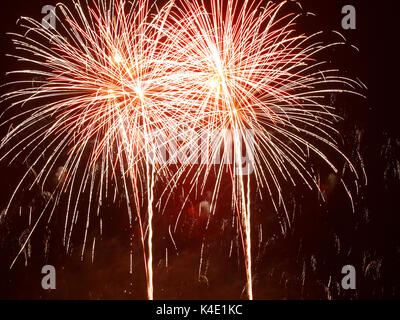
x: 304, y: 262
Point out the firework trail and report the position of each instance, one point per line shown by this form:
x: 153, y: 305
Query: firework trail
x: 247, y: 68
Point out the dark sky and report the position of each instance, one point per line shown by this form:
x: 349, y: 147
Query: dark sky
x: 376, y: 65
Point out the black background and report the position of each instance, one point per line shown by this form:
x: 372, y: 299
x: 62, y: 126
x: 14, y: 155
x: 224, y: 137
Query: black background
x: 281, y: 269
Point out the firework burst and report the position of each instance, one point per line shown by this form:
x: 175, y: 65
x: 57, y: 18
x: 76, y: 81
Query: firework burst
x: 100, y: 89
x: 247, y: 69
x: 113, y: 78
